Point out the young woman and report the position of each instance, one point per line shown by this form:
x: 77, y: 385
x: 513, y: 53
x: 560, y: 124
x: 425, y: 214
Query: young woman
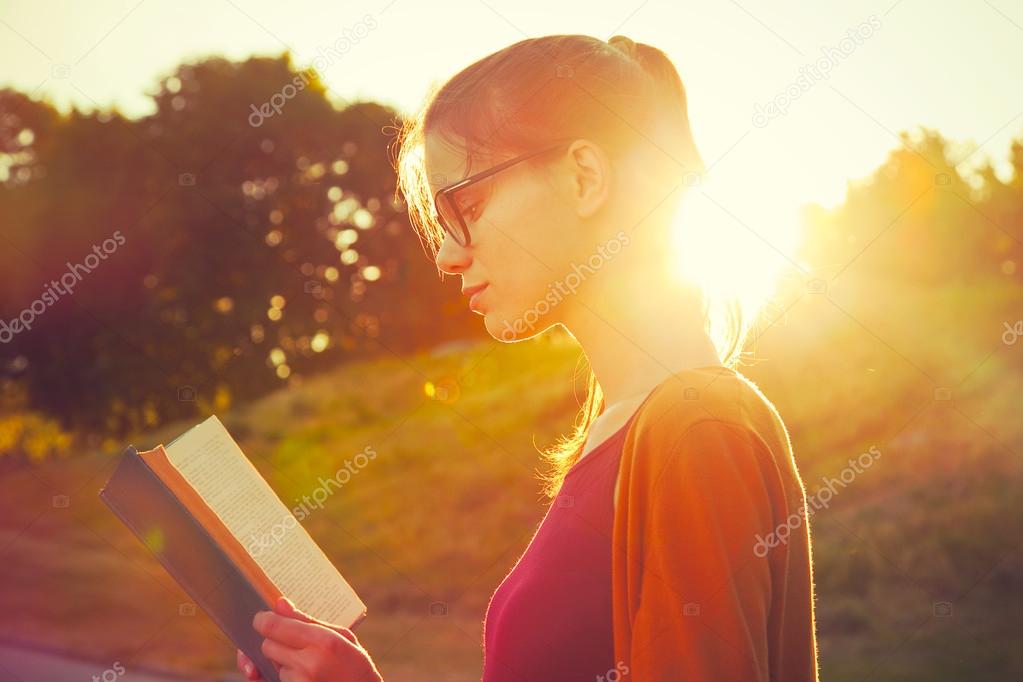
x: 549, y: 176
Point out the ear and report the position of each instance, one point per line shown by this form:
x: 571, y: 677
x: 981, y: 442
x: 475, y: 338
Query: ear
x: 591, y: 174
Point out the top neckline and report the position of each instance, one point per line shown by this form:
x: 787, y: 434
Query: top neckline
x: 600, y: 447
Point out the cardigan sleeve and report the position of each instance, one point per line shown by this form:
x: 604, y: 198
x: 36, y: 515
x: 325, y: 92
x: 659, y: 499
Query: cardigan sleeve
x: 705, y: 594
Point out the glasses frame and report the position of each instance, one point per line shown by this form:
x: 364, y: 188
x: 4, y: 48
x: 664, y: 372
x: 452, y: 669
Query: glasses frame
x: 447, y: 193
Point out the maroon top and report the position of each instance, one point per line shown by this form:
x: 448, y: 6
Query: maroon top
x: 550, y: 618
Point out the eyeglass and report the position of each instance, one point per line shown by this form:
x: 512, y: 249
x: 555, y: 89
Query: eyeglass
x: 448, y: 213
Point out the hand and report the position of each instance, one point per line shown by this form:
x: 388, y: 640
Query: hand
x: 304, y: 649
x: 248, y: 668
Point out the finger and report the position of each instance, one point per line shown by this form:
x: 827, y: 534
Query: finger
x: 281, y: 654
x: 346, y: 633
x: 285, y: 607
x: 293, y: 675
x: 247, y: 668
x: 288, y: 631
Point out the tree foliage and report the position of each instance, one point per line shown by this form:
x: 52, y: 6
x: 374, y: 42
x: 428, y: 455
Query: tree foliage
x: 232, y: 252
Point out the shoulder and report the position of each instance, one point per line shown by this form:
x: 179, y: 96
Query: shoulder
x: 705, y: 418
x: 719, y: 396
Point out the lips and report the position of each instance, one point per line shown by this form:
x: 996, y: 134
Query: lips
x: 469, y: 291
x: 474, y: 293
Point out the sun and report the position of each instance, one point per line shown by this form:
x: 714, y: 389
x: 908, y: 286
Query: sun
x: 736, y: 241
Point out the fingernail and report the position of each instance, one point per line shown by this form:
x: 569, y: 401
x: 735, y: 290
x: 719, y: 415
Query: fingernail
x: 248, y: 669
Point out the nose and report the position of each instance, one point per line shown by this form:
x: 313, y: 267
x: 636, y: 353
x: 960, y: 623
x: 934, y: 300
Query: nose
x: 452, y: 258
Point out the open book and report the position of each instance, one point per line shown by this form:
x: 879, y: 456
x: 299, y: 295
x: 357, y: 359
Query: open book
x: 220, y: 530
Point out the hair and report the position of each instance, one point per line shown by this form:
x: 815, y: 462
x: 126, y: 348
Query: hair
x: 540, y: 90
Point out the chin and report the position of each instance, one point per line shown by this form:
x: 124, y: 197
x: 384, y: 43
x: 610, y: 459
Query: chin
x: 510, y: 328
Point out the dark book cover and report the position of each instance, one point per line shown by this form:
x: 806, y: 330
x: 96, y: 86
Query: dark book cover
x: 184, y: 548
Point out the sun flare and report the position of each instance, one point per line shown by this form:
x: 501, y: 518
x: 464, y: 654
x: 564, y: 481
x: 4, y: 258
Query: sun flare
x: 736, y: 242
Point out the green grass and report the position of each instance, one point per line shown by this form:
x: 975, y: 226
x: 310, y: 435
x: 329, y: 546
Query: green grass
x: 452, y: 498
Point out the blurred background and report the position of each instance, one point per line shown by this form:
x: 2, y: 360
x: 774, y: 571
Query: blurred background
x: 198, y: 215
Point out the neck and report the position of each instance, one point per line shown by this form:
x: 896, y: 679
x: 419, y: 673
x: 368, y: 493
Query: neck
x: 638, y: 333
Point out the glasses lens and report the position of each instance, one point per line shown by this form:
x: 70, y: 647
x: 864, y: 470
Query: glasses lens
x: 450, y: 219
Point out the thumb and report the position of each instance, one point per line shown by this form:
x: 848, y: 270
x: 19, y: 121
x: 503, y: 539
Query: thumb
x: 285, y: 607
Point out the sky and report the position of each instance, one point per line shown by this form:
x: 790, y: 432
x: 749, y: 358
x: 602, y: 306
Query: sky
x: 857, y: 73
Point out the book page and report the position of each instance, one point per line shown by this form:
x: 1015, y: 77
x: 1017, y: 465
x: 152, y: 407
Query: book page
x: 213, y: 464
x: 158, y: 462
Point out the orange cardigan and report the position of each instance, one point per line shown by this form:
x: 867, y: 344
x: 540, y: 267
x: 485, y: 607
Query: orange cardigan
x: 711, y: 576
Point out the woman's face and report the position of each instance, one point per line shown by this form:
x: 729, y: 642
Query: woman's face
x: 527, y: 228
